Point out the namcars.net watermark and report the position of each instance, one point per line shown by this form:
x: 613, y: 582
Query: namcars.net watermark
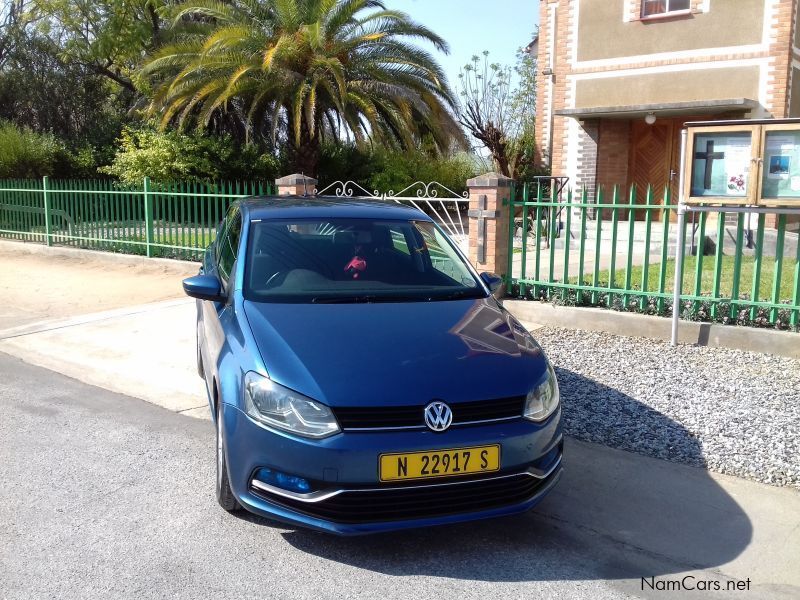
x: 692, y: 583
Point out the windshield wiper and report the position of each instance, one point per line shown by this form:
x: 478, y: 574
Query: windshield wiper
x: 374, y: 298
x: 459, y: 295
x: 368, y: 299
x: 341, y: 299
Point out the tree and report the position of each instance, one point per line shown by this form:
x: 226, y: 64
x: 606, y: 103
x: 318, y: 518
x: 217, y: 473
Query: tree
x: 303, y: 71
x: 40, y: 91
x: 500, y: 113
x: 15, y: 16
x: 110, y: 37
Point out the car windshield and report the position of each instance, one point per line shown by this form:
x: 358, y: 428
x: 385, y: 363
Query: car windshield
x: 354, y: 260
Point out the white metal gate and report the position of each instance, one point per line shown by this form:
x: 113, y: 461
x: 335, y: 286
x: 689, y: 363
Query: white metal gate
x: 446, y: 207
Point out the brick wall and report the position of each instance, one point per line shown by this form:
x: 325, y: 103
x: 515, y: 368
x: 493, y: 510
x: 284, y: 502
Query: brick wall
x: 612, y: 153
x: 543, y: 88
x: 563, y: 48
x: 781, y: 38
x: 586, y: 175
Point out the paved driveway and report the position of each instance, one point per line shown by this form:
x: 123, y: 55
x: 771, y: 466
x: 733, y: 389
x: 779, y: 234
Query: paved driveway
x: 108, y: 496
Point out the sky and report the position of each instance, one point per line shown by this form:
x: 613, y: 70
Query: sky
x: 472, y: 26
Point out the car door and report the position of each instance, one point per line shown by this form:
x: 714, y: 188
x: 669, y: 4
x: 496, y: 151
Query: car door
x: 215, y: 314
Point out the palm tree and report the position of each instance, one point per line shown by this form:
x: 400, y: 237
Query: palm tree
x: 303, y: 71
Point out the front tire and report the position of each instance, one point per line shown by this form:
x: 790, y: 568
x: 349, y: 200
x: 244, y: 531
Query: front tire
x: 225, y: 495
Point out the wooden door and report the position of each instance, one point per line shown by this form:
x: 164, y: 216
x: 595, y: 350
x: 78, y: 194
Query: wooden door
x: 653, y: 160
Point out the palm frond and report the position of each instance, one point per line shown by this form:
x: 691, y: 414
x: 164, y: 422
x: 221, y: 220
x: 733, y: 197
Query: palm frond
x: 209, y: 9
x: 304, y: 70
x: 226, y: 37
x: 345, y: 11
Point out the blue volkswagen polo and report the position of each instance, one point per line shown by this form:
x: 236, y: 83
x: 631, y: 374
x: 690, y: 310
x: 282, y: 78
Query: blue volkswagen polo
x: 361, y: 374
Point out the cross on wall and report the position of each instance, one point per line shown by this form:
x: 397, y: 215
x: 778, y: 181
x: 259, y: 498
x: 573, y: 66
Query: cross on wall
x: 481, y: 214
x: 709, y: 156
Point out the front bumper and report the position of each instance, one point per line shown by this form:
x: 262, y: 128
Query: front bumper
x: 343, y: 469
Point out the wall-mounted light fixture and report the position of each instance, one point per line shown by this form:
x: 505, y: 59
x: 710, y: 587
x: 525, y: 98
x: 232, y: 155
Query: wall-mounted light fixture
x: 650, y: 118
x: 547, y: 71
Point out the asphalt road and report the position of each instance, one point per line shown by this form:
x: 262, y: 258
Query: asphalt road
x: 103, y: 495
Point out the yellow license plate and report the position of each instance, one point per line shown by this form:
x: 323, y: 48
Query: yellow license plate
x: 439, y: 463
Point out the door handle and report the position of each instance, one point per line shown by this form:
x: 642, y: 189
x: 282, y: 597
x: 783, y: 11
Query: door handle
x: 672, y: 173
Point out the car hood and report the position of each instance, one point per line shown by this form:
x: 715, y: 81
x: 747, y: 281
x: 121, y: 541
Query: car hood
x: 395, y: 354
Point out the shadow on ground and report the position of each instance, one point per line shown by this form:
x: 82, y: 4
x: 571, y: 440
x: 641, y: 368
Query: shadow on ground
x: 614, y: 515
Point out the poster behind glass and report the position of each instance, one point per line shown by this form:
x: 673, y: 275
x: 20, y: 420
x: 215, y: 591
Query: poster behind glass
x: 721, y: 164
x: 781, y: 169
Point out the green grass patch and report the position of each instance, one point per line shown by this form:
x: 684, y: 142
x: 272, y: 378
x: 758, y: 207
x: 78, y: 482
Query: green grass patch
x: 786, y: 290
x: 134, y: 244
x: 190, y: 239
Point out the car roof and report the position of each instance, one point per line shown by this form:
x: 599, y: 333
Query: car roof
x: 297, y: 207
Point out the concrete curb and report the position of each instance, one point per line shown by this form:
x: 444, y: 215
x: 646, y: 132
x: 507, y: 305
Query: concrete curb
x: 51, y: 324
x: 145, y: 351
x: 767, y: 341
x: 78, y: 253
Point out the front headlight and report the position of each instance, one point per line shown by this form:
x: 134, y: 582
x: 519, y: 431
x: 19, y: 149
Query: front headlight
x: 280, y: 407
x: 542, y: 400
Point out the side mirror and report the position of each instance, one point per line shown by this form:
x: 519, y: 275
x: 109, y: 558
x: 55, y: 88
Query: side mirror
x: 204, y: 287
x: 492, y: 281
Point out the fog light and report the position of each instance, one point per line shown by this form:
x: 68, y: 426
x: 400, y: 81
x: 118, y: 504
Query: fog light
x: 282, y: 480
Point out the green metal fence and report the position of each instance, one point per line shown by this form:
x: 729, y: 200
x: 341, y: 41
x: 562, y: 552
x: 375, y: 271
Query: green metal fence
x: 616, y: 253
x: 176, y: 220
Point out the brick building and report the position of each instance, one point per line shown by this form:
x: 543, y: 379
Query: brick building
x: 618, y: 78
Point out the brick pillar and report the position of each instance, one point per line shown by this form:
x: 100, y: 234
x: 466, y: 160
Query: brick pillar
x: 488, y: 206
x: 296, y: 185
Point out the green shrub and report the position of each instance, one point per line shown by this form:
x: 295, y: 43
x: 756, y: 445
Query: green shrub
x: 81, y: 163
x: 700, y: 311
x: 176, y: 156
x: 397, y: 170
x: 345, y: 162
x: 386, y: 170
x: 27, y: 154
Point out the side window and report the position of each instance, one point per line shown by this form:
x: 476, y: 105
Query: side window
x: 399, y: 241
x: 229, y: 243
x: 218, y: 239
x: 444, y: 258
x: 439, y: 257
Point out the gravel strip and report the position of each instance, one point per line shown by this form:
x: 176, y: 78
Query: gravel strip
x: 731, y: 411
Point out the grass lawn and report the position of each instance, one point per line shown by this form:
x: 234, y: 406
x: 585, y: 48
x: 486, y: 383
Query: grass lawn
x: 707, y: 278
x: 128, y: 245
x: 190, y: 238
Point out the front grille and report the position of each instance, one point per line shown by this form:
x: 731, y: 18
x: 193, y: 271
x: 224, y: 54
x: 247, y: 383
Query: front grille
x: 403, y: 503
x: 412, y: 416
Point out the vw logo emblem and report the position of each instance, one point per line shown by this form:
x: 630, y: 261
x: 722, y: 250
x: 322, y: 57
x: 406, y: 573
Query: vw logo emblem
x: 438, y: 416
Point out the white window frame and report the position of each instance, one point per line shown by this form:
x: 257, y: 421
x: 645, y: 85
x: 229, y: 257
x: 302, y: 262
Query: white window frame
x: 668, y: 12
